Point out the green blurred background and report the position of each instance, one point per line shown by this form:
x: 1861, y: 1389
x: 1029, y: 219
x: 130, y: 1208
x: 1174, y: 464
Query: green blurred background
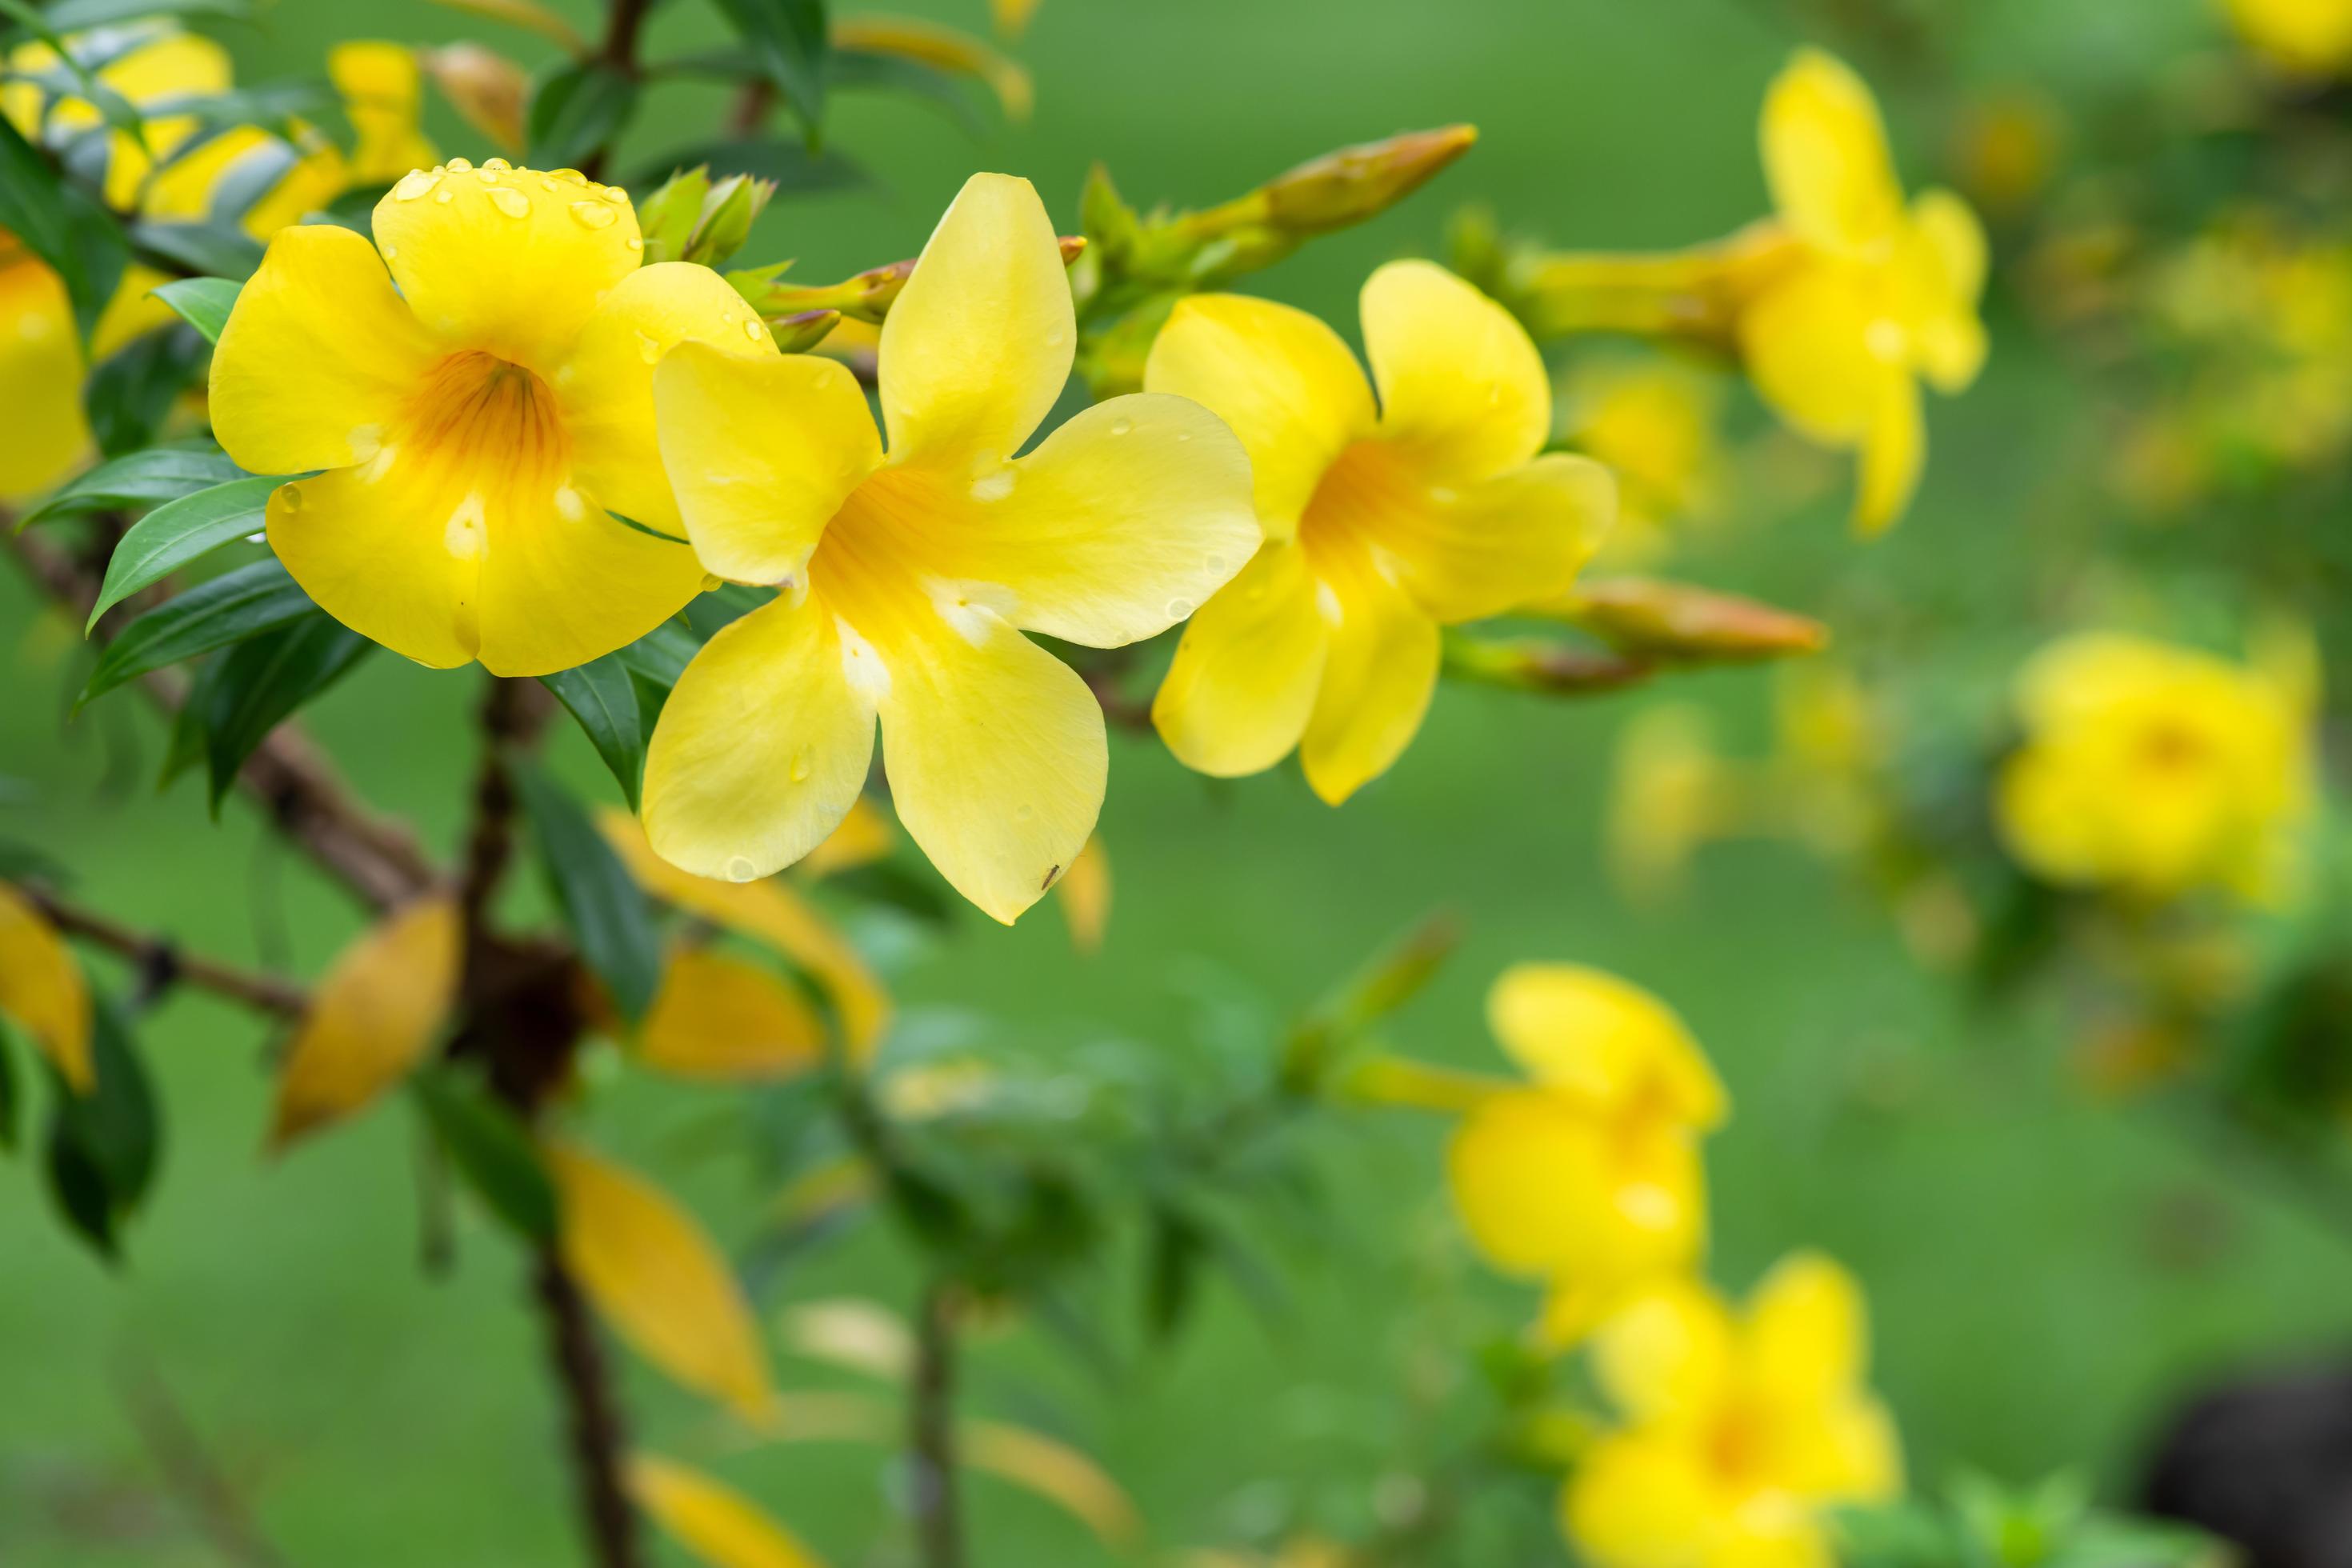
x: 2046, y: 1273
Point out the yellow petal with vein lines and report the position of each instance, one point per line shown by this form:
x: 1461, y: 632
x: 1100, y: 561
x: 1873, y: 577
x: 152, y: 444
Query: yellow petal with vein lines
x: 659, y: 1281
x: 43, y: 990
x: 1462, y: 387
x: 1282, y: 379
x: 766, y: 911
x: 377, y: 1013
x: 721, y: 1019
x: 716, y: 1524
x: 1825, y: 155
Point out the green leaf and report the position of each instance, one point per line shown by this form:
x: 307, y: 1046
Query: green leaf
x: 794, y: 168
x: 602, y: 696
x: 179, y: 531
x: 103, y: 1145
x: 202, y: 302
x: 489, y: 1149
x: 789, y: 41
x: 230, y: 608
x: 206, y: 249
x: 131, y: 394
x: 139, y: 479
x: 262, y: 684
x: 606, y: 910
x: 21, y: 862
x: 62, y: 224
x: 661, y: 655
x: 73, y: 16
x: 871, y: 68
x: 576, y: 111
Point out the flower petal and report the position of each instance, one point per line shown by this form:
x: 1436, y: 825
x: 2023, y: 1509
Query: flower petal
x: 606, y: 386
x: 510, y: 261
x: 995, y: 753
x: 1642, y: 1500
x: 1943, y: 275
x: 1609, y: 1044
x: 762, y: 748
x: 563, y: 582
x: 1511, y: 539
x: 1894, y: 451
x: 1237, y: 698
x: 721, y: 1019
x: 1526, y: 1171
x: 368, y: 544
x: 383, y: 92
x: 1119, y: 524
x: 1281, y: 378
x: 1462, y: 386
x: 1377, y: 681
x: 39, y: 355
x: 979, y: 343
x: 319, y: 356
x: 1825, y: 155
x: 762, y: 452
x: 1806, y: 342
x: 1807, y: 1334
x: 1669, y: 1351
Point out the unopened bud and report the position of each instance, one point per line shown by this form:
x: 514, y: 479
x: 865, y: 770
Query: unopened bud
x: 668, y: 217
x: 1539, y: 664
x: 1655, y: 618
x: 729, y: 211
x: 1355, y: 183
x: 803, y: 331
x: 487, y: 89
x: 1105, y: 216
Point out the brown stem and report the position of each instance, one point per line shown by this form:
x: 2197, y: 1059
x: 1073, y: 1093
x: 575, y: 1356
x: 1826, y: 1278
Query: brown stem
x: 188, y: 1467
x: 625, y: 24
x: 932, y: 1492
x: 593, y: 1419
x: 164, y: 965
x: 513, y: 714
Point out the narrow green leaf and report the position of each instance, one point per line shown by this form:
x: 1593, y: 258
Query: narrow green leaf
x: 139, y: 479
x: 789, y: 40
x: 103, y: 1146
x: 21, y: 862
x: 489, y: 1149
x: 131, y: 392
x: 179, y: 531
x: 576, y: 109
x: 61, y: 224
x: 230, y: 608
x: 870, y: 68
x: 794, y: 168
x: 202, y: 302
x: 73, y: 16
x: 606, y: 911
x: 602, y: 696
x: 262, y: 684
x: 661, y: 655
x: 207, y: 249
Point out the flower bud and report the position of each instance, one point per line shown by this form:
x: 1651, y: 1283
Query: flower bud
x: 1357, y: 183
x: 1655, y: 618
x: 732, y: 206
x: 667, y: 218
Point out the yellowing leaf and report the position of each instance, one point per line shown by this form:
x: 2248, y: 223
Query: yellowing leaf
x: 715, y: 1522
x: 1084, y: 892
x: 825, y: 1190
x: 527, y: 14
x: 42, y: 988
x: 768, y: 913
x: 864, y: 837
x: 945, y: 48
x: 659, y: 1281
x: 1056, y: 1472
x: 372, y: 1019
x: 483, y: 86
x: 864, y: 1336
x: 721, y: 1019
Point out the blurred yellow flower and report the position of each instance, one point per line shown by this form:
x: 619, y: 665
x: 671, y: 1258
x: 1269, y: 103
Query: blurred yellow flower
x: 1589, y: 1178
x: 2156, y: 769
x: 1653, y: 422
x: 1380, y: 524
x: 377, y: 1011
x: 485, y: 426
x: 1739, y: 1432
x: 40, y: 376
x: 909, y: 581
x: 382, y: 88
x: 1670, y: 792
x: 43, y: 991
x: 2301, y: 38
x: 1876, y: 297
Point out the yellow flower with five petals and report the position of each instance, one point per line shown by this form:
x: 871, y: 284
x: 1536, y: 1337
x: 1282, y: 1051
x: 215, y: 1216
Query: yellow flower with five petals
x: 1380, y: 524
x: 907, y: 580
x: 1739, y: 1432
x: 1589, y: 1178
x: 1874, y: 296
x: 480, y: 415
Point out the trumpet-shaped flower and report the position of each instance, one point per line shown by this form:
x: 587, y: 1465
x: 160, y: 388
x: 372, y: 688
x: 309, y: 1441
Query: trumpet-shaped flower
x: 1589, y: 1178
x: 909, y: 580
x: 1739, y: 1432
x: 2154, y: 769
x: 1875, y: 296
x: 480, y: 416
x: 1381, y: 524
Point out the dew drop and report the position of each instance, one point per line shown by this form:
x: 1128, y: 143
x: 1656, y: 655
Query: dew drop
x: 290, y: 498
x: 1180, y: 609
x: 488, y: 176
x: 1215, y: 565
x: 614, y: 194
x: 753, y: 330
x: 1024, y: 813
x: 712, y: 582
x: 415, y: 184
x: 1121, y: 427
x: 595, y: 214
x: 635, y: 243
x: 650, y: 347
x: 803, y: 762
x: 390, y: 250
x: 458, y: 166
x: 1183, y: 435
x: 498, y: 164
x: 740, y: 869
x: 443, y: 195
x: 514, y: 203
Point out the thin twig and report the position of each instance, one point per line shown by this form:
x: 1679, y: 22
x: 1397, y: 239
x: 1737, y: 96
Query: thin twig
x: 932, y: 1495
x: 513, y: 715
x: 594, y: 1420
x: 187, y: 1468
x: 162, y: 964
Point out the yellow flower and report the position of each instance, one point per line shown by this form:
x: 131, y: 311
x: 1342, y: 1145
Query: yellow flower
x: 1379, y: 524
x: 145, y: 66
x: 2156, y: 769
x: 1670, y: 792
x: 480, y: 427
x: 909, y: 580
x: 40, y: 376
x: 1738, y: 1433
x: 1875, y: 296
x: 1653, y: 422
x: 383, y: 92
x: 2301, y: 38
x: 1589, y: 1177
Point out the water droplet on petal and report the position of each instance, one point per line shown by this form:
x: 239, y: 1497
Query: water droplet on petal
x: 614, y: 194
x: 739, y: 869
x: 487, y: 175
x: 650, y: 347
x: 514, y: 203
x: 635, y: 243
x: 443, y: 195
x: 596, y: 214
x: 1024, y: 813
x: 754, y: 331
x: 390, y: 250
x: 1215, y: 565
x: 499, y: 164
x: 1179, y: 608
x: 803, y: 761
x: 1121, y: 427
x: 712, y: 582
x: 415, y: 184
x: 458, y: 166
x: 290, y: 497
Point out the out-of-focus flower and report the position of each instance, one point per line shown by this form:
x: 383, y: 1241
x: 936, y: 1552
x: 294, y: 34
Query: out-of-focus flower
x: 1380, y: 524
x: 1589, y: 1178
x: 1653, y: 423
x: 1876, y: 296
x: 2157, y: 770
x: 1669, y: 793
x: 2005, y: 147
x: 1739, y: 1432
x: 911, y: 580
x: 484, y: 427
x: 383, y: 92
x: 40, y: 376
x: 43, y: 990
x: 2300, y: 37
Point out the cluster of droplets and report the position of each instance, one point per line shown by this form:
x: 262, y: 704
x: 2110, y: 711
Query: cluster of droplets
x: 592, y: 205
